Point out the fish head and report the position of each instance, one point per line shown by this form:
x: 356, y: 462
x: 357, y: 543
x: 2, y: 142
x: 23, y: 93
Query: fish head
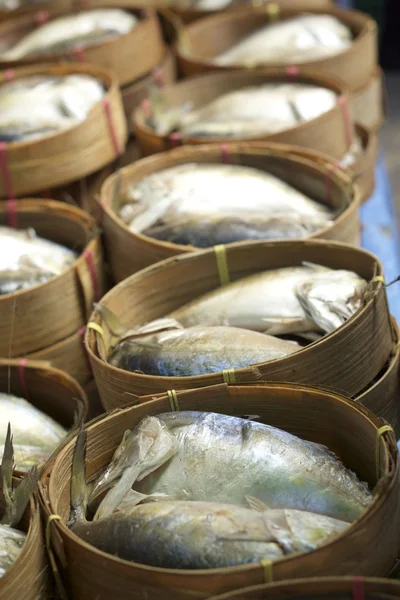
x: 331, y: 298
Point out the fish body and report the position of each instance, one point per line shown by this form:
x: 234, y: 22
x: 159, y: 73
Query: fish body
x: 40, y: 105
x: 289, y: 300
x: 299, y: 39
x: 206, y: 535
x: 198, y: 350
x: 11, y: 543
x: 36, y: 435
x: 221, y: 458
x: 83, y: 29
x: 208, y: 204
x: 248, y: 112
x: 27, y: 260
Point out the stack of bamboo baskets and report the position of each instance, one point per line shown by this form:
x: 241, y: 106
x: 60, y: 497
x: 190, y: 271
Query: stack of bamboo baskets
x: 342, y: 390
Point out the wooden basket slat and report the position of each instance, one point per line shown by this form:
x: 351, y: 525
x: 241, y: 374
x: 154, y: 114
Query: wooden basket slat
x: 367, y: 103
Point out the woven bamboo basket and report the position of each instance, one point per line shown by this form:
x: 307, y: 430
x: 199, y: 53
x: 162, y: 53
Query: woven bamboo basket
x: 187, y: 15
x: 134, y: 94
x: 28, y: 578
x: 51, y: 390
x: 94, y: 402
x: 367, y: 103
x: 53, y: 160
x: 316, y: 415
x: 363, y: 171
x: 202, y: 40
x: 129, y: 252
x: 128, y: 56
x: 345, y: 360
x: 331, y: 132
x: 36, y: 318
x: 341, y: 588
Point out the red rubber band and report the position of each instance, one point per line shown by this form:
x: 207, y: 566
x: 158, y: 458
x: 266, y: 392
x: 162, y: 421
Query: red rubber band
x: 175, y: 140
x: 82, y: 332
x: 292, y: 72
x: 113, y: 133
x: 225, y: 153
x: 88, y: 256
x: 22, y: 380
x: 342, y: 101
x: 358, y: 588
x: 41, y: 17
x: 78, y: 54
x: 328, y: 180
x: 5, y: 173
x: 9, y: 74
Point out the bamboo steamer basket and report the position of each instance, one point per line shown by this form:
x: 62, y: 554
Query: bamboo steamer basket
x: 135, y: 93
x: 313, y: 414
x: 367, y: 103
x: 94, y: 402
x: 129, y: 252
x: 202, y: 40
x: 28, y: 578
x: 331, y: 132
x: 345, y: 360
x: 129, y: 56
x: 57, y: 159
x: 50, y: 390
x: 339, y: 588
x: 363, y: 171
x: 36, y: 318
x: 187, y: 15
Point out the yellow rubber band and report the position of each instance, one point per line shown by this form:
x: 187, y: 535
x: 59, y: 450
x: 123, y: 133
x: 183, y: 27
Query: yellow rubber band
x: 173, y: 400
x: 222, y: 264
x: 49, y: 522
x: 378, y: 279
x: 96, y: 327
x: 273, y: 11
x: 267, y: 567
x: 379, y: 434
x: 229, y: 376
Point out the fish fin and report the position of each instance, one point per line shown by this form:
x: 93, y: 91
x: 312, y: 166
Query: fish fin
x: 133, y: 498
x: 16, y: 500
x: 78, y: 480
x: 315, y: 267
x: 279, y: 325
x: 157, y: 326
x: 117, y: 494
x: 256, y: 504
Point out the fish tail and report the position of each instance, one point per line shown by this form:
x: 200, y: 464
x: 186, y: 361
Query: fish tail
x: 111, y: 320
x: 78, y: 479
x: 16, y: 500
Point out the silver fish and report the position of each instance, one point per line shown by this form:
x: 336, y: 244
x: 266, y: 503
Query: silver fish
x: 198, y: 350
x: 296, y: 40
x: 224, y: 459
x: 195, y: 535
x: 27, y: 260
x: 36, y: 435
x: 207, y: 535
x: 289, y: 300
x: 207, y: 204
x: 246, y: 112
x: 35, y: 106
x: 83, y: 29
